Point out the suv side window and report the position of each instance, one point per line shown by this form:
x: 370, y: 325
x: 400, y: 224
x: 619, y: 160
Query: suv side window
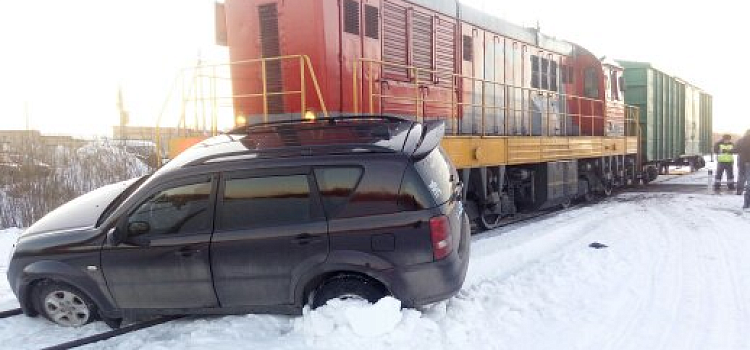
x: 178, y: 210
x: 336, y: 185
x: 413, y: 194
x: 436, y: 172
x: 265, y: 201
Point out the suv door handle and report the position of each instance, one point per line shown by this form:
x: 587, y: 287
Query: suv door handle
x: 187, y: 252
x: 305, y: 238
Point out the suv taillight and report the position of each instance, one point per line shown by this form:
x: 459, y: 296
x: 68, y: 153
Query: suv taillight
x: 441, y: 237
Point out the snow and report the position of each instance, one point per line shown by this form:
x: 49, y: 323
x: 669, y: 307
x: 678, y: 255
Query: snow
x: 675, y: 275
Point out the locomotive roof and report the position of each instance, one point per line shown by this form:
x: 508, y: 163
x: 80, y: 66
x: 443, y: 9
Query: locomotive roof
x: 498, y: 25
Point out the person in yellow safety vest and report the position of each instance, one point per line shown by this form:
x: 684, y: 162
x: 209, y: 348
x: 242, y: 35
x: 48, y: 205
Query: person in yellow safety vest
x: 725, y: 151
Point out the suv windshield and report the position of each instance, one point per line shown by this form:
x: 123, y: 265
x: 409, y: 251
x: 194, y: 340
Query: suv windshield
x: 437, y: 174
x: 121, y: 197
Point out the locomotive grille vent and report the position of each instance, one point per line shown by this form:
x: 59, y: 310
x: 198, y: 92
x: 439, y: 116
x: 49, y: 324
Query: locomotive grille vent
x: 421, y: 40
x: 351, y: 17
x: 269, y: 46
x: 371, y: 22
x: 395, y: 38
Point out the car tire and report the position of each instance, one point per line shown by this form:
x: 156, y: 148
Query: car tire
x: 63, y: 304
x: 347, y: 287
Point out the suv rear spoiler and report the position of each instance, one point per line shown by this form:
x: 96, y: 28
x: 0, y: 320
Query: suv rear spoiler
x: 432, y: 134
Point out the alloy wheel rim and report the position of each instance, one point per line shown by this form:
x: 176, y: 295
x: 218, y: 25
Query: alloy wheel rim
x: 66, y: 308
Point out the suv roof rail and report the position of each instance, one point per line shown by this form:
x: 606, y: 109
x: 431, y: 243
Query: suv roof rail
x: 288, y: 152
x: 330, y: 120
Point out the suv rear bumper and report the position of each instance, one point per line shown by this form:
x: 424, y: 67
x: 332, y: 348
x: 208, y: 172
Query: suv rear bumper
x: 431, y: 282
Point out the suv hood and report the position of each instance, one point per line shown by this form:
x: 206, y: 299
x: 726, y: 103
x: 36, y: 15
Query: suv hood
x: 81, y: 212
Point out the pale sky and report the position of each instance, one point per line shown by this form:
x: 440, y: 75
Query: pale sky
x: 66, y: 58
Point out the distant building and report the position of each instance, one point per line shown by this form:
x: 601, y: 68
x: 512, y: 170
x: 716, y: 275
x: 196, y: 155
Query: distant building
x: 14, y: 138
x: 148, y: 133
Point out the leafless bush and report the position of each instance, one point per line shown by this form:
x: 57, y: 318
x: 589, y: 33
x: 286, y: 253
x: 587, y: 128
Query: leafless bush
x: 48, y: 176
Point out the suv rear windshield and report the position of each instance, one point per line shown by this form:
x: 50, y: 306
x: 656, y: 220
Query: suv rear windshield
x: 437, y: 173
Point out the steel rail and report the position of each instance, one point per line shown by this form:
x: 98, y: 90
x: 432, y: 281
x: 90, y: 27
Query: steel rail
x: 111, y: 333
x: 10, y: 313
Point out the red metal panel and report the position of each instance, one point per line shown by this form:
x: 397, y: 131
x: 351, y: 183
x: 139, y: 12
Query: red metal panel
x: 395, y: 39
x: 318, y: 20
x: 437, y: 93
x: 445, y: 47
x: 351, y: 48
x: 588, y: 113
x: 411, y: 37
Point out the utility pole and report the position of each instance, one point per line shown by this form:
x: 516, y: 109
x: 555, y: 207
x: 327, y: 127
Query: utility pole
x: 26, y: 115
x: 124, y: 116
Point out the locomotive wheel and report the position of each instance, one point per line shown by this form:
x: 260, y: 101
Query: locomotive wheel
x: 608, y: 186
x: 588, y: 196
x: 489, y: 221
x: 565, y: 205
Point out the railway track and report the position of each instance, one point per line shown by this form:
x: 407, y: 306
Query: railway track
x: 99, y: 336
x: 10, y: 313
x: 654, y: 187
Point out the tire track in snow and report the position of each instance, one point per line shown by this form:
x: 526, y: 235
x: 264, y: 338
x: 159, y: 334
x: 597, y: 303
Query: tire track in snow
x: 733, y: 305
x: 518, y: 247
x: 692, y: 302
x: 635, y: 316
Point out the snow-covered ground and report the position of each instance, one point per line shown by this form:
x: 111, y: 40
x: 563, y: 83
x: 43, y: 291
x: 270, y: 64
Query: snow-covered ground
x: 675, y: 275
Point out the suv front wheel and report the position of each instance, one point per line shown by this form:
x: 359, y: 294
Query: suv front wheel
x: 63, y: 304
x: 348, y: 287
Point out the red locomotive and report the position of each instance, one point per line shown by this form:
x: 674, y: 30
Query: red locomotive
x: 533, y: 121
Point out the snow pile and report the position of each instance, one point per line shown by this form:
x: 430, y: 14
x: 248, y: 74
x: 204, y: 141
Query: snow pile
x: 7, y: 239
x: 357, y: 316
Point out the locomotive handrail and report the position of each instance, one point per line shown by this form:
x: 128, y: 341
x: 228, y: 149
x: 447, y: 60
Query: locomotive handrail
x: 306, y: 71
x: 520, y: 105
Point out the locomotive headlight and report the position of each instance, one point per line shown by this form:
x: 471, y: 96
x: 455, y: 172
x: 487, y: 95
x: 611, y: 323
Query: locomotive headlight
x: 309, y: 115
x: 240, y: 120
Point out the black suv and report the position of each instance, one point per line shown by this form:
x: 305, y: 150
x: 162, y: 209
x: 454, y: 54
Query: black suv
x: 265, y: 218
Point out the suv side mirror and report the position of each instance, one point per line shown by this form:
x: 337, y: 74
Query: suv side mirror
x: 116, y: 236
x: 136, y: 228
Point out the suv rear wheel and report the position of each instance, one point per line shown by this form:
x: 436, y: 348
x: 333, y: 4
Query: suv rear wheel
x: 63, y: 304
x: 348, y: 287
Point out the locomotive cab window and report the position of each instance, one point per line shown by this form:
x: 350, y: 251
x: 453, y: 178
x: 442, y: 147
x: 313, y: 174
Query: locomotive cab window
x: 590, y: 83
x: 534, y: 71
x: 615, y: 86
x: 553, y: 76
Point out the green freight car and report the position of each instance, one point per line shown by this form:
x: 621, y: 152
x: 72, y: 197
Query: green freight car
x: 675, y: 116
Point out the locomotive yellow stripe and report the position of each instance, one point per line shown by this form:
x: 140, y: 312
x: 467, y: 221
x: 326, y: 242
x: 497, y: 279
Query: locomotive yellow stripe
x: 477, y: 151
